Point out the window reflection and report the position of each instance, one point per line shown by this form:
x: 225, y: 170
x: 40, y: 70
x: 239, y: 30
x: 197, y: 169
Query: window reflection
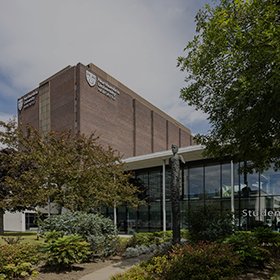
x: 212, y: 181
x: 196, y: 183
x: 270, y: 182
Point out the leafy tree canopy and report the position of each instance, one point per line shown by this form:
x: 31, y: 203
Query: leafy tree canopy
x: 233, y: 66
x: 74, y: 170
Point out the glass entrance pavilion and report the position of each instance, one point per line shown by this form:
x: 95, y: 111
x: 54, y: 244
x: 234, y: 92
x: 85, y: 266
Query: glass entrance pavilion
x: 254, y: 198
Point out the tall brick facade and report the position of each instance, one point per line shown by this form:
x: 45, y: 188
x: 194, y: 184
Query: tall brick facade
x: 86, y: 98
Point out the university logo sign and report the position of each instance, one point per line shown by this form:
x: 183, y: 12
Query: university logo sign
x: 91, y: 78
x: 20, y: 104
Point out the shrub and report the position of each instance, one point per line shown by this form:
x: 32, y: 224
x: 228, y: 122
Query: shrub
x: 247, y: 247
x: 200, y: 261
x: 17, y: 259
x: 99, y: 231
x: 208, y: 223
x: 266, y: 236
x: 21, y: 270
x: 66, y: 250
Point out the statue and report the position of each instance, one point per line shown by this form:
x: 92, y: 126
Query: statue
x: 174, y: 163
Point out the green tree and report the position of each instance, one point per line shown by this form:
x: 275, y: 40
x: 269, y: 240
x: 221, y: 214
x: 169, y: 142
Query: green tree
x: 233, y: 68
x: 6, y: 193
x: 76, y: 171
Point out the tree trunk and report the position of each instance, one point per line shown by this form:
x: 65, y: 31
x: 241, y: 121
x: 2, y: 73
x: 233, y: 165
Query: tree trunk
x: 1, y: 221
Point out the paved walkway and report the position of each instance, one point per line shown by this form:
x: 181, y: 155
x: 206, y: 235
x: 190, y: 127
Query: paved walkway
x: 106, y: 272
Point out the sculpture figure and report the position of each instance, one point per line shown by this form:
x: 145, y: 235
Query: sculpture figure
x: 174, y: 163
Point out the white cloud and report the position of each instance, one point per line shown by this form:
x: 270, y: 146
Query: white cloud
x: 137, y: 42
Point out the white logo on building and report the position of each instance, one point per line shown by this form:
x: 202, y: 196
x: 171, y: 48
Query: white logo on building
x: 20, y: 104
x: 91, y: 78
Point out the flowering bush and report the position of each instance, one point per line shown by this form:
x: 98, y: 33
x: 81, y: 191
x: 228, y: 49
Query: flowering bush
x: 16, y: 259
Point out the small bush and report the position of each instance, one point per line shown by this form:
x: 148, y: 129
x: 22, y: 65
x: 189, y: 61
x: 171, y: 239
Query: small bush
x: 21, y: 270
x: 248, y: 248
x: 65, y: 251
x: 266, y: 237
x: 208, y: 223
x: 17, y: 259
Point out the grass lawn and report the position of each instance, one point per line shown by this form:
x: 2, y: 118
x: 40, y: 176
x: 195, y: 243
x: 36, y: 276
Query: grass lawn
x: 27, y: 237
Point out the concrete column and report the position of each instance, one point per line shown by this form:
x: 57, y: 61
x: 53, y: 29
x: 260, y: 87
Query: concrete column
x: 163, y: 196
x: 115, y: 214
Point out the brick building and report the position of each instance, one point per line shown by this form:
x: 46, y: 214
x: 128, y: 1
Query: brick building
x: 86, y: 98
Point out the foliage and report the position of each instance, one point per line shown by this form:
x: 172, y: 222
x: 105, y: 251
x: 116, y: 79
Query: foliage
x: 76, y: 171
x: 22, y: 270
x: 99, y: 231
x: 18, y: 253
x: 11, y: 199
x: 17, y: 259
x: 233, y: 68
x: 208, y: 223
x: 65, y: 251
x: 248, y: 248
x: 266, y: 236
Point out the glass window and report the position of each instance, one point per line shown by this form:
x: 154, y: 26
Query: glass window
x: 121, y: 221
x: 131, y: 221
x: 156, y: 216
x: 143, y: 220
x: 270, y: 182
x: 196, y: 183
x: 31, y: 221
x: 212, y: 181
x: 155, y: 185
x: 249, y: 184
x: 226, y: 180
x: 168, y: 216
x: 260, y: 211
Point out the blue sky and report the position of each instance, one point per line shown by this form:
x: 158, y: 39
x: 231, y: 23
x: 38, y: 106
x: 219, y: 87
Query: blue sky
x: 135, y: 41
